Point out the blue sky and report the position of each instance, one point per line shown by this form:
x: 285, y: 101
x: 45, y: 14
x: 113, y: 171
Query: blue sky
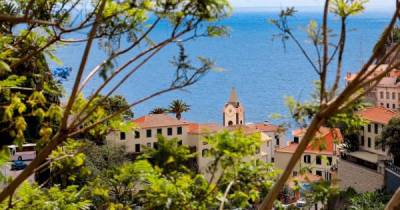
x: 372, y: 4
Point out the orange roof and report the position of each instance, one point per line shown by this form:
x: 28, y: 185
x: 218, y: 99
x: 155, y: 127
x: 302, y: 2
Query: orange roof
x: 330, y: 136
x: 158, y: 120
x: 196, y: 128
x: 393, y: 74
x: 377, y: 114
x: 264, y: 127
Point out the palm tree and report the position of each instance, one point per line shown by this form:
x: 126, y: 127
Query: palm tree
x: 178, y: 107
x: 158, y: 110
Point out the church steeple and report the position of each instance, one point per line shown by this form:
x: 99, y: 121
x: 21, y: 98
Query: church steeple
x: 233, y: 113
x: 233, y: 98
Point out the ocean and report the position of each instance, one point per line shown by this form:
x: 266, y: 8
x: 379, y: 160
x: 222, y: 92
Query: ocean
x: 261, y: 70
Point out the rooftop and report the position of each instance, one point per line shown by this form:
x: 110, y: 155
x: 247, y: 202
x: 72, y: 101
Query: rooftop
x: 205, y: 128
x: 388, y: 81
x: 377, y: 114
x: 323, y: 144
x: 265, y: 127
x: 158, y: 120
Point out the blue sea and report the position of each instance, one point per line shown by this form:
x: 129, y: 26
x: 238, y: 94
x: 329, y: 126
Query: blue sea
x: 258, y: 66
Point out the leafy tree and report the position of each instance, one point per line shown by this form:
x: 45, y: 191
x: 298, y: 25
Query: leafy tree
x: 390, y: 137
x: 158, y: 110
x: 170, y: 155
x: 369, y: 200
x: 328, y: 66
x: 117, y: 102
x: 31, y: 31
x: 178, y: 107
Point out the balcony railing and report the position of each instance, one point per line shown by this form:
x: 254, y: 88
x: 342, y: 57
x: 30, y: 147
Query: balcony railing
x: 390, y: 165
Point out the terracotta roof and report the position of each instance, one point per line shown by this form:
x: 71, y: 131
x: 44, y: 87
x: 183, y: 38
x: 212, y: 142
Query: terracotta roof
x: 322, y: 131
x: 196, y: 128
x: 330, y: 136
x: 158, y: 120
x: 393, y: 74
x: 305, y: 178
x: 377, y: 114
x: 265, y: 127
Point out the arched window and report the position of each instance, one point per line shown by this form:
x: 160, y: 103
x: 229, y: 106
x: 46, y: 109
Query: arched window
x: 230, y: 123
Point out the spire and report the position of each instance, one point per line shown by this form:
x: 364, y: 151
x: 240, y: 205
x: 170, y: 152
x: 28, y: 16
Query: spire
x: 233, y: 98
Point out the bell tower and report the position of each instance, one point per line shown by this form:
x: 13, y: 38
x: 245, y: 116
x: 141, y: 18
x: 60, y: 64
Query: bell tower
x: 233, y: 113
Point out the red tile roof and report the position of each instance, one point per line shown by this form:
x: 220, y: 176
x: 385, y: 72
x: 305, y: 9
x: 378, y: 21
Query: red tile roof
x: 330, y: 137
x: 196, y: 128
x: 265, y: 127
x: 377, y: 114
x: 158, y: 120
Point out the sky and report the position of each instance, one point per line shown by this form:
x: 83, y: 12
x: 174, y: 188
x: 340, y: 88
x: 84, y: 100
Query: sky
x: 372, y: 4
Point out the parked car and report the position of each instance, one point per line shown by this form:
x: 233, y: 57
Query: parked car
x: 18, y: 164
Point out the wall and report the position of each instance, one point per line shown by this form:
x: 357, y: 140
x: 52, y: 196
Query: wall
x: 377, y: 149
x: 392, y: 180
x: 358, y: 177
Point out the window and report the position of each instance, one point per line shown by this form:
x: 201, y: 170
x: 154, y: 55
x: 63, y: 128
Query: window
x: 277, y: 140
x: 318, y: 160
x: 148, y: 144
x: 387, y: 95
x: 272, y: 160
x: 381, y: 93
x: 204, y: 152
x: 148, y: 133
x: 122, y: 136
x: 155, y: 145
x: 329, y: 161
x: 369, y: 128
x: 179, y: 130
x: 318, y: 173
x: 369, y: 142
x: 137, y: 134
x: 388, y: 106
x: 307, y: 159
x: 169, y: 131
x: 362, y: 141
x: 159, y: 131
x: 294, y: 173
x: 296, y: 139
x: 393, y: 95
x: 376, y: 128
x: 137, y: 147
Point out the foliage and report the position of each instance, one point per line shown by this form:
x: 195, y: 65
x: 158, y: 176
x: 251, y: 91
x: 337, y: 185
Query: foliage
x: 390, y: 137
x: 158, y: 110
x: 178, y: 107
x: 170, y: 155
x: 369, y: 200
x: 115, y: 103
x: 32, y: 197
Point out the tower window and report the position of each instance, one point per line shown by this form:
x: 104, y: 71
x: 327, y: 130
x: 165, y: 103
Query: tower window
x: 237, y: 118
x: 230, y: 123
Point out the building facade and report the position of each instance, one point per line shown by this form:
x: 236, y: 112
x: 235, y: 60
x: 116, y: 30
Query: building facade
x: 319, y: 159
x: 364, y: 170
x: 387, y: 91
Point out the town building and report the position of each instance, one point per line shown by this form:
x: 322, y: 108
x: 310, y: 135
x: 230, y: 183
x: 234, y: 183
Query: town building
x: 364, y: 170
x: 320, y: 156
x: 193, y: 134
x: 387, y: 91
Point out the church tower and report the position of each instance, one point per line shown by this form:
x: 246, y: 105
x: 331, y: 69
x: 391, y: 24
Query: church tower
x: 233, y: 113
